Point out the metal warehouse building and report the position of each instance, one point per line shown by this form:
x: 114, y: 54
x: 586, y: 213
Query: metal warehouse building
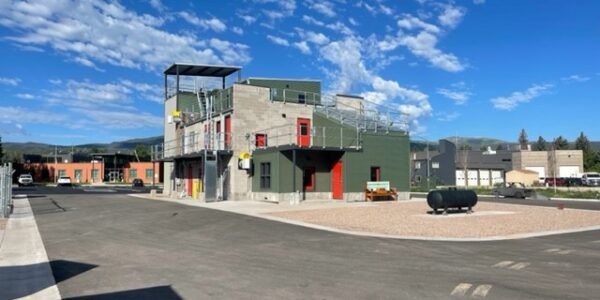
x: 274, y: 139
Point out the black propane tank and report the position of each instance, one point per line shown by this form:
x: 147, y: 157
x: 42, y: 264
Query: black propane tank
x: 452, y: 198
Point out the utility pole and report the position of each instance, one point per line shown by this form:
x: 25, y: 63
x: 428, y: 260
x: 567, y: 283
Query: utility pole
x: 55, y: 163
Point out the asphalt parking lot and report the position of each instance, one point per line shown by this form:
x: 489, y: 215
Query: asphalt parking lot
x: 110, y: 245
x: 81, y: 189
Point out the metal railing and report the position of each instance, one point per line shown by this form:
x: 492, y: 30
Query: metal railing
x: 6, y: 201
x: 191, y: 143
x: 310, y: 137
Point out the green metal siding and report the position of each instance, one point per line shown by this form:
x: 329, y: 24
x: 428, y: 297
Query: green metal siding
x: 322, y: 161
x: 270, y: 157
x: 293, y: 88
x: 390, y: 152
x: 328, y: 133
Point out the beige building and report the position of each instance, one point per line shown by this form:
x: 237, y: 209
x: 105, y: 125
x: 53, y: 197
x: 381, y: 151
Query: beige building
x: 559, y: 163
x: 526, y: 177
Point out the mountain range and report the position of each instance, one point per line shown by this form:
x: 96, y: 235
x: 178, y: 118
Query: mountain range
x: 127, y: 146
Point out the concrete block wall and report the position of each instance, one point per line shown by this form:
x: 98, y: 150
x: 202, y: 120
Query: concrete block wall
x: 253, y: 111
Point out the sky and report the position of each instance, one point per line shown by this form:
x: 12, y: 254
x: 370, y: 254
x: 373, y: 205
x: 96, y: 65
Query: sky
x: 76, y: 72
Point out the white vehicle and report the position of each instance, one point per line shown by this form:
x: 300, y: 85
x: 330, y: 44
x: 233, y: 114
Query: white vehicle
x: 25, y: 179
x: 591, y: 179
x: 64, y: 180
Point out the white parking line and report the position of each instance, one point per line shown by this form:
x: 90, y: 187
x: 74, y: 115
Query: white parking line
x: 503, y: 264
x: 519, y: 266
x: 481, y: 291
x: 559, y: 251
x: 461, y: 289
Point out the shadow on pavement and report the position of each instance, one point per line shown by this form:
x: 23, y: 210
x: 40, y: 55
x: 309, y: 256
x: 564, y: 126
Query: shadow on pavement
x: 156, y: 292
x: 64, y: 269
x: 22, y: 281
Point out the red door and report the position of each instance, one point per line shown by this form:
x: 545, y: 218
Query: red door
x: 337, y: 181
x: 227, y: 132
x: 303, y: 132
x: 189, y: 181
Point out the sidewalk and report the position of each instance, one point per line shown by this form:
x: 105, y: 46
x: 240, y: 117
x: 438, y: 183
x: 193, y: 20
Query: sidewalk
x: 25, y: 271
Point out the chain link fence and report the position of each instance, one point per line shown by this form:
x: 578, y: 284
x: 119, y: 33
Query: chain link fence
x: 6, y: 201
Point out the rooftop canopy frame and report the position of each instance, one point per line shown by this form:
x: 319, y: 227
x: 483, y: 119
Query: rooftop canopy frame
x: 179, y: 69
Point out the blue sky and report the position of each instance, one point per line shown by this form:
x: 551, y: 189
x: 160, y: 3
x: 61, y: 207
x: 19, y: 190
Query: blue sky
x: 77, y: 72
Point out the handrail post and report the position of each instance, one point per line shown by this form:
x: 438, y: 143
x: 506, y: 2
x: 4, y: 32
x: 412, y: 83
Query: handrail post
x: 341, y: 137
x: 283, y: 95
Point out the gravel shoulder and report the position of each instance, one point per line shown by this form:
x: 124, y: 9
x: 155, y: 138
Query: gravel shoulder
x: 413, y: 219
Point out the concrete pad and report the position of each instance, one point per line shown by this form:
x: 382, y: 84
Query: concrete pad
x: 25, y: 272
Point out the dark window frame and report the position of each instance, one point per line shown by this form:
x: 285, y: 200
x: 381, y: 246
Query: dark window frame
x: 265, y: 175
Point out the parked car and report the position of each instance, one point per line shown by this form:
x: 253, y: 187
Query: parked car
x: 512, y: 189
x: 64, y: 181
x: 25, y: 179
x: 137, y: 183
x: 591, y: 179
x: 558, y: 181
x: 574, y: 181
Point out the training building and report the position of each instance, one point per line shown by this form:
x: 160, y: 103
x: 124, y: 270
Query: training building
x: 274, y: 139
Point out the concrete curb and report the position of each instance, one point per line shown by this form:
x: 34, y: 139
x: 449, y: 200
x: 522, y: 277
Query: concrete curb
x: 25, y: 271
x: 382, y: 235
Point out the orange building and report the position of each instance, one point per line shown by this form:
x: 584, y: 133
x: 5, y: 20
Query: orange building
x: 79, y: 172
x: 91, y: 172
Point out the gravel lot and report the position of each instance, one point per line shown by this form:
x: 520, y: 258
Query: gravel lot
x: 412, y: 219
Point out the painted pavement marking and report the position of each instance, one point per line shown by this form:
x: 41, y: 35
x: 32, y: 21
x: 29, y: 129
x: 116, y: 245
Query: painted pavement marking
x: 559, y: 251
x: 461, y: 289
x: 480, y: 291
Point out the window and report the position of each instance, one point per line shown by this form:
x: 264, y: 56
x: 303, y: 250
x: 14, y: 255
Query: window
x: 375, y: 173
x: 132, y: 173
x: 301, y: 98
x: 95, y: 173
x: 261, y: 140
x: 435, y: 165
x: 149, y: 173
x: 417, y: 164
x: 78, y: 175
x: 62, y: 173
x: 303, y: 129
x: 265, y: 175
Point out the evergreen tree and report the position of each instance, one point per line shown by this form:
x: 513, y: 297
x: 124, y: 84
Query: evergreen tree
x: 560, y: 143
x: 523, y: 139
x: 590, y: 157
x: 540, y: 145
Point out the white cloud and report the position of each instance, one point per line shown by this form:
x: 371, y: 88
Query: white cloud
x: 10, y: 81
x: 516, y: 98
x: 16, y: 114
x: 278, y: 40
x: 312, y: 21
x: 247, y: 19
x: 212, y: 23
x: 282, y: 9
x: 324, y: 7
x: 411, y: 22
x: 237, y: 30
x: 451, y: 16
x: 103, y: 32
x: 458, y: 92
x: 25, y: 96
x: 158, y: 5
x: 577, y: 78
x: 424, y: 45
x: 448, y: 117
x: 313, y: 37
x: 303, y: 47
x: 119, y: 119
